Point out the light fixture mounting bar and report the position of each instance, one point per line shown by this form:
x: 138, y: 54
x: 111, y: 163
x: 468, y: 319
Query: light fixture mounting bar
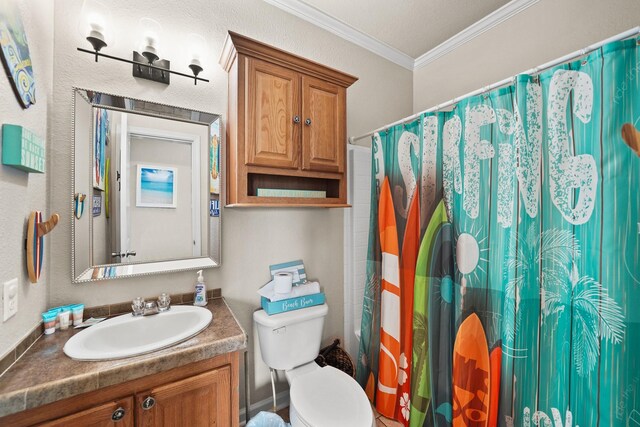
x: 142, y: 64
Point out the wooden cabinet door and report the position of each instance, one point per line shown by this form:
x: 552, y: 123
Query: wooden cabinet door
x: 203, y: 400
x: 112, y: 414
x: 273, y: 103
x: 324, y: 127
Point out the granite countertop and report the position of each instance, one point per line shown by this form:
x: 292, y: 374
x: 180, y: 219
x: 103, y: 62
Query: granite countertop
x: 44, y: 374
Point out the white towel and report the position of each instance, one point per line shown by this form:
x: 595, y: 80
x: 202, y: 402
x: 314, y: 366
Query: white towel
x: 308, y: 288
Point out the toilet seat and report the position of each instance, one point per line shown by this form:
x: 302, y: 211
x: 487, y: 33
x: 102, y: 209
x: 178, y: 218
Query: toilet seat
x: 327, y: 397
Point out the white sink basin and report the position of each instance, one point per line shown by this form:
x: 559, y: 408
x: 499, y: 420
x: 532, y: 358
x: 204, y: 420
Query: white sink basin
x: 126, y: 335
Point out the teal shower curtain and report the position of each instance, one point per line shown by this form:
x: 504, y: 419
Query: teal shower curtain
x: 525, y: 301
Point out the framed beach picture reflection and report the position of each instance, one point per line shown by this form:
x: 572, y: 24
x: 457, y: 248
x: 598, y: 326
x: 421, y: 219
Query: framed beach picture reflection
x: 156, y: 186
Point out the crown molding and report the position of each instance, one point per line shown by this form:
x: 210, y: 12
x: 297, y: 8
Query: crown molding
x: 495, y: 18
x: 347, y: 32
x: 317, y: 17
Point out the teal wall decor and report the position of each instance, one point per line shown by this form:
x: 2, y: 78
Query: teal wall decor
x: 22, y: 149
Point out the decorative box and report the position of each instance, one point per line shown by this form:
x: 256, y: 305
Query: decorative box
x: 22, y: 149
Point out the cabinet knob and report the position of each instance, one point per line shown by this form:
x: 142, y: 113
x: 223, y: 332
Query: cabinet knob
x: 296, y: 119
x: 307, y: 122
x: 118, y: 414
x: 148, y: 403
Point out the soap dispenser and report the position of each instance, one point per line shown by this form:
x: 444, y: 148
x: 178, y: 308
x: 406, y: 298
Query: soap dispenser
x: 201, y: 291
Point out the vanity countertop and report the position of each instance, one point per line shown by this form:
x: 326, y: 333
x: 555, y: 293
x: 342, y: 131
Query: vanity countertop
x: 44, y: 374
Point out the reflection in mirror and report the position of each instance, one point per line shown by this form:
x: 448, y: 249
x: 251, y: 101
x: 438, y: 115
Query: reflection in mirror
x: 146, y: 188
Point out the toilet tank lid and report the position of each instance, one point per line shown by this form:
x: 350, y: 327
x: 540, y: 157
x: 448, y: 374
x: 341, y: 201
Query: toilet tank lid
x: 290, y: 317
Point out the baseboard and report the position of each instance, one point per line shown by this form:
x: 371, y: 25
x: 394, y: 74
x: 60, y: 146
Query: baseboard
x: 282, y: 400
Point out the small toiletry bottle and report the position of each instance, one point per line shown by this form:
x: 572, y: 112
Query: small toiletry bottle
x: 78, y: 311
x: 49, y: 321
x: 201, y: 291
x: 65, y: 317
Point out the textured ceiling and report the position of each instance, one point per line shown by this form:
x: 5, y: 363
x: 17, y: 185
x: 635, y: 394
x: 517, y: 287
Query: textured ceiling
x: 411, y: 26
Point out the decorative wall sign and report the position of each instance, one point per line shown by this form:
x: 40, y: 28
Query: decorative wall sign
x: 214, y: 158
x: 96, y: 207
x: 22, y: 149
x: 100, y: 141
x: 15, y: 53
x: 106, y: 188
x: 214, y: 208
x: 156, y: 187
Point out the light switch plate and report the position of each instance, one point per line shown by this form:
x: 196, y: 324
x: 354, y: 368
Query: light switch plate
x: 10, y: 298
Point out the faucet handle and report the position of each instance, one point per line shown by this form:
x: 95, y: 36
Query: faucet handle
x: 137, y: 305
x: 164, y: 301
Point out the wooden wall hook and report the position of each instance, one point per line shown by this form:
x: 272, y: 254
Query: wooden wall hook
x: 46, y: 227
x: 631, y: 136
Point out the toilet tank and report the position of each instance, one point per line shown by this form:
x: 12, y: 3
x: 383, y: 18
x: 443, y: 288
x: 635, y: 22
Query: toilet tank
x: 290, y: 339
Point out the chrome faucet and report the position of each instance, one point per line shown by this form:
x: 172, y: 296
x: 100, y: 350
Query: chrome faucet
x: 140, y: 307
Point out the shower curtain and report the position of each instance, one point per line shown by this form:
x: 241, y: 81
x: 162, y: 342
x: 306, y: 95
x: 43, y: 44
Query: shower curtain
x: 503, y: 272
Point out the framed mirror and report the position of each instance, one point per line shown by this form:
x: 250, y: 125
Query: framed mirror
x: 146, y: 188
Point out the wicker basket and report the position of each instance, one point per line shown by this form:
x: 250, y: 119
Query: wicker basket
x: 336, y: 356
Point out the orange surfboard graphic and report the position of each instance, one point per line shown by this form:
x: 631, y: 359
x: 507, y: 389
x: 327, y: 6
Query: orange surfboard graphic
x: 496, y: 366
x: 386, y: 393
x: 410, y: 248
x: 471, y: 383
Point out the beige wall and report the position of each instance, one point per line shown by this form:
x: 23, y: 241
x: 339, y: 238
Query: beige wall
x: 21, y: 192
x: 548, y: 30
x: 252, y: 238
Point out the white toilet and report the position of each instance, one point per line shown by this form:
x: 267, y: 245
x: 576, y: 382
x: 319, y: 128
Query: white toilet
x: 318, y: 397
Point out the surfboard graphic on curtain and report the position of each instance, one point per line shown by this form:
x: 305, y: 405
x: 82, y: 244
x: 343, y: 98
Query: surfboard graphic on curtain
x: 408, y: 258
x: 471, y: 383
x: 389, y: 359
x: 421, y: 381
x: 367, y: 362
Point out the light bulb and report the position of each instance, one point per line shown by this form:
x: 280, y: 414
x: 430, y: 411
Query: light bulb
x: 150, y: 31
x: 196, y: 48
x: 93, y: 24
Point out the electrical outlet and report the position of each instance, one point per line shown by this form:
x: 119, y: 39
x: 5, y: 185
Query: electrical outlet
x: 10, y: 298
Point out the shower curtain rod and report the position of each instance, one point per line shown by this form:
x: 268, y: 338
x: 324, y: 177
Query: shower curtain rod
x: 578, y: 53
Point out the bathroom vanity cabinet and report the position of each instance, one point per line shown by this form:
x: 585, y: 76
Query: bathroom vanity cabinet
x: 204, y: 393
x: 286, y: 127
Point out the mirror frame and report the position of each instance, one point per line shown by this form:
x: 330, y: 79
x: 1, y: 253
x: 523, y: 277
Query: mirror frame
x: 153, y: 109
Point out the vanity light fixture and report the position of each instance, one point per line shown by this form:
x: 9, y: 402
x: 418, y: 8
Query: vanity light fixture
x: 146, y: 61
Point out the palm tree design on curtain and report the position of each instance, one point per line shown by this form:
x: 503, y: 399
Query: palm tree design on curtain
x: 372, y: 288
x: 595, y: 315
x: 421, y: 348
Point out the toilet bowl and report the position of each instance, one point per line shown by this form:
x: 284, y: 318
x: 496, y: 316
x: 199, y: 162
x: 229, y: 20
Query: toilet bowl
x: 318, y: 396
x: 327, y: 397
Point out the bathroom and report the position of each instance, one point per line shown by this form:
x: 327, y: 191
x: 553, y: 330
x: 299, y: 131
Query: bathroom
x: 381, y: 45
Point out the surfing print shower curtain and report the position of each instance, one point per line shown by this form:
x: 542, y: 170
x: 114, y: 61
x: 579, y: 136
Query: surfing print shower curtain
x: 503, y: 272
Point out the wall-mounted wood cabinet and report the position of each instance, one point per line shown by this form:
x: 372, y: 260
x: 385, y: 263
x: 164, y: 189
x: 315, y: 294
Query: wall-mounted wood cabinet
x: 286, y: 130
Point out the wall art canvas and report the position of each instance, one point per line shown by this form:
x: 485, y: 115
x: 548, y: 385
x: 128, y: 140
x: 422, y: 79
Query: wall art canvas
x: 100, y: 142
x: 156, y: 186
x: 214, y: 158
x: 15, y: 53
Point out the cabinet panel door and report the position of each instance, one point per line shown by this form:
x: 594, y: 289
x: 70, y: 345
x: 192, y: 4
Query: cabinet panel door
x: 324, y: 129
x: 273, y: 102
x: 203, y: 400
x: 104, y: 415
